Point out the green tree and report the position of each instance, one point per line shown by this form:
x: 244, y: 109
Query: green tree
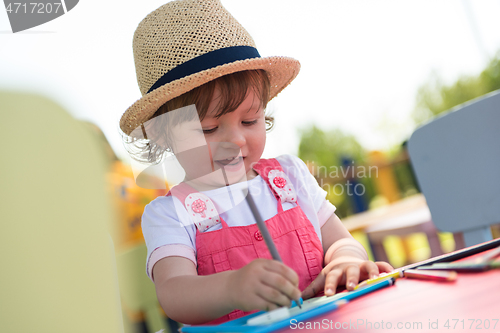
x: 326, y: 150
x: 434, y: 97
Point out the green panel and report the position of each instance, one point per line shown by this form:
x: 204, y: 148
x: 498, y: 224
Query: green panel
x: 57, y: 263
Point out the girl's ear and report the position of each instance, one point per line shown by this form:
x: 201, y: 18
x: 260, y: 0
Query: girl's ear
x: 168, y: 144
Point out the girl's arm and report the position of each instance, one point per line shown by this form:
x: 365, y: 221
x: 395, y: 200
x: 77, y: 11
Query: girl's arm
x: 346, y: 261
x: 191, y: 299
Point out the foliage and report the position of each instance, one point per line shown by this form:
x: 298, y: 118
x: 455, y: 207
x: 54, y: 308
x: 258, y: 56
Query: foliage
x: 326, y: 150
x: 434, y: 97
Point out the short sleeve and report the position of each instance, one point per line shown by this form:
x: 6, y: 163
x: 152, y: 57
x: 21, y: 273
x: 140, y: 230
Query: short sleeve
x: 165, y: 222
x: 325, y: 212
x: 170, y: 250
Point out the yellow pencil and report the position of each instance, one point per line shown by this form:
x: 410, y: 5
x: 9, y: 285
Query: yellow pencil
x: 383, y: 276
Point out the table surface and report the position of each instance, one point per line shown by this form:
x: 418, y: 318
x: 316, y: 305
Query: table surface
x: 469, y: 304
x: 413, y: 209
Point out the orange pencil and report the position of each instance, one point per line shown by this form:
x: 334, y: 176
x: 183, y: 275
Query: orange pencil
x: 435, y: 275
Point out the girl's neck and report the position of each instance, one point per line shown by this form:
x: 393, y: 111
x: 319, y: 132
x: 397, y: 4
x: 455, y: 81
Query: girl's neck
x: 201, y: 185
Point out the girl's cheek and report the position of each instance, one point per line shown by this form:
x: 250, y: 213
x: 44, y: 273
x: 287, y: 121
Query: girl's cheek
x: 210, y: 154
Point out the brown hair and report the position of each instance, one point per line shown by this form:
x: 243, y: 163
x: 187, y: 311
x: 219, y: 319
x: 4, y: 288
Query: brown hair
x: 233, y: 90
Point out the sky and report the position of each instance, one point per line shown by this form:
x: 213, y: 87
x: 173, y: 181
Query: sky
x: 362, y: 61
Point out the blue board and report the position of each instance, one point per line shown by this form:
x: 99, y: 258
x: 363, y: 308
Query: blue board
x: 325, y: 304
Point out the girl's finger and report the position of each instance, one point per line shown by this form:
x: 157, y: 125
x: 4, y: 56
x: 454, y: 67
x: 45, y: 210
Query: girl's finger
x: 370, y: 269
x: 257, y: 302
x: 352, y: 276
x: 384, y: 267
x: 273, y: 296
x: 281, y: 285
x: 283, y: 270
x: 332, y: 280
x: 315, y: 286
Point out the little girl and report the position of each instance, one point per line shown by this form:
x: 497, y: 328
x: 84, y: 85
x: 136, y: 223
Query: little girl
x: 205, y: 89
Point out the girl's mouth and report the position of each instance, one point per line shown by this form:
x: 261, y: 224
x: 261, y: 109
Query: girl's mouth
x: 230, y: 161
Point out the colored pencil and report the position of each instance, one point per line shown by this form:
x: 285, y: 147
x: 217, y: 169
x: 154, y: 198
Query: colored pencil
x: 456, y: 255
x: 462, y: 266
x: 383, y: 276
x: 434, y: 275
x: 265, y: 234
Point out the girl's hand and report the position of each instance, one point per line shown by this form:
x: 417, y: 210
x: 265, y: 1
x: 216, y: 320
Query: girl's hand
x: 263, y: 285
x: 345, y: 271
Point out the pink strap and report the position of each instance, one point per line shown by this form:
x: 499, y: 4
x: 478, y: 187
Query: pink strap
x: 265, y: 165
x: 182, y: 190
x: 262, y: 168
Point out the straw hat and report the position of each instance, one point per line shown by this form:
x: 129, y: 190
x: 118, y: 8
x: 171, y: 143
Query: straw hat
x: 185, y: 44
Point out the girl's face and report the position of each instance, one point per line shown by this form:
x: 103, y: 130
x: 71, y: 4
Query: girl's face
x: 221, y: 151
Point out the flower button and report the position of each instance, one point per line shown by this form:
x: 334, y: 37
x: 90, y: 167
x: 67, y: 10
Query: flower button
x: 199, y: 206
x: 279, y: 182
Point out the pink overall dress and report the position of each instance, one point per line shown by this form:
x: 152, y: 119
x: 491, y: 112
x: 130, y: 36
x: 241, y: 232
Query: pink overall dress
x: 231, y: 248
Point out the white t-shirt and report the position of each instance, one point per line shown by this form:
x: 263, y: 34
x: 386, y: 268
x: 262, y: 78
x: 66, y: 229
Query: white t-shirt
x: 169, y: 231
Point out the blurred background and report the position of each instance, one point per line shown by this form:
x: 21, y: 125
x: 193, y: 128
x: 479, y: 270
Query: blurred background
x: 372, y: 72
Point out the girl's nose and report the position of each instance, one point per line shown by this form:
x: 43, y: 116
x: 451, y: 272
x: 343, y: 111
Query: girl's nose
x: 235, y: 136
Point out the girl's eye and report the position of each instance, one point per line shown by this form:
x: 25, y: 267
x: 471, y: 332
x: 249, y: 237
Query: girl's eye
x: 253, y: 122
x: 210, y: 130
